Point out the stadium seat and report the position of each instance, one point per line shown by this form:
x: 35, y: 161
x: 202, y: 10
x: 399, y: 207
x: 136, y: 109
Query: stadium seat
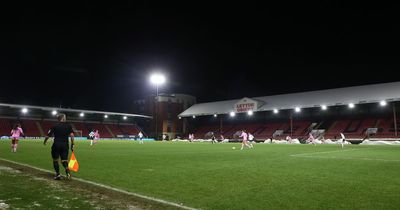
x: 5, y: 127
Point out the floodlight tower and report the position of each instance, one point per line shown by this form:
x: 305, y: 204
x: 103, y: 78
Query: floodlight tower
x: 157, y: 79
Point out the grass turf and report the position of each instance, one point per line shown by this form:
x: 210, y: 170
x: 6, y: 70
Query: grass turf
x: 20, y: 191
x: 214, y: 176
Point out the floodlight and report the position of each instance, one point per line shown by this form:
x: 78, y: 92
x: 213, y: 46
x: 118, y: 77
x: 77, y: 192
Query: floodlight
x: 157, y: 79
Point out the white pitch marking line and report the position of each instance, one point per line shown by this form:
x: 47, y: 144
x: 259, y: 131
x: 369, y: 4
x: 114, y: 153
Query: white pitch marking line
x: 340, y: 158
x: 314, y: 153
x: 108, y: 187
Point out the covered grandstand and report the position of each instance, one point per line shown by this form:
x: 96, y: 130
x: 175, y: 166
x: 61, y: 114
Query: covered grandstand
x: 37, y: 120
x: 359, y: 112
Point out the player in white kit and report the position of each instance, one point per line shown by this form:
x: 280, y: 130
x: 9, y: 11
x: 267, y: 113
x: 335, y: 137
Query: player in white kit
x: 251, y: 139
x: 342, y: 140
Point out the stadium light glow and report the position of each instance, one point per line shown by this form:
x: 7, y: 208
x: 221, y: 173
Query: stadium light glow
x: 250, y: 113
x: 276, y: 111
x: 324, y: 107
x: 125, y: 117
x: 351, y: 105
x: 297, y: 109
x: 383, y: 103
x: 105, y: 116
x: 194, y: 116
x: 54, y: 112
x: 215, y: 115
x: 82, y: 114
x: 24, y: 110
x: 232, y: 114
x: 157, y: 79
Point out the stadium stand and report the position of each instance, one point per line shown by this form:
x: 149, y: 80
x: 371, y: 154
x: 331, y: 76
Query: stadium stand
x: 336, y: 128
x: 229, y: 130
x: 81, y: 127
x: 357, y: 128
x: 268, y: 129
x: 128, y: 129
x: 352, y: 128
x: 46, y: 125
x: 351, y: 110
x: 5, y: 127
x: 115, y: 129
x: 300, y: 129
x: 38, y: 127
x: 30, y: 128
x: 201, y: 131
x: 104, y: 132
x: 385, y: 128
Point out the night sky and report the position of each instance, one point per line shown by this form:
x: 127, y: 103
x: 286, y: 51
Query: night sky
x: 100, y: 55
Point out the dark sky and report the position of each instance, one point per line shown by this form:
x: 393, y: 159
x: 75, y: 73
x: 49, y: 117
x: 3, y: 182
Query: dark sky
x: 99, y: 55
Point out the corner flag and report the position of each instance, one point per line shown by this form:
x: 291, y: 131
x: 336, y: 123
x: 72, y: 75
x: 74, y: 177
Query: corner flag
x: 73, y: 163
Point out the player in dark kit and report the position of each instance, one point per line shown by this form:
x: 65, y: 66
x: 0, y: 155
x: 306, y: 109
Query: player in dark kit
x: 61, y: 131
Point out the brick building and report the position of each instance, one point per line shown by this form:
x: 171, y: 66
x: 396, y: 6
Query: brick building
x: 166, y: 115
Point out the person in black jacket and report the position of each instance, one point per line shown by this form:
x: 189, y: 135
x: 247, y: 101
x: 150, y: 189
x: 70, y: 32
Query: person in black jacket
x: 61, y: 131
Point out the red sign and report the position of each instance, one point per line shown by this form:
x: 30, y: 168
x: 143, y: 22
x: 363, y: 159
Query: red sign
x: 245, y: 107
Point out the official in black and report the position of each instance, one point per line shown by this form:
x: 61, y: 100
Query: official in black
x: 61, y: 132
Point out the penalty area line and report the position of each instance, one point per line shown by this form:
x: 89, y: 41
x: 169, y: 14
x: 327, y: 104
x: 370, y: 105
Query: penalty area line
x: 108, y: 187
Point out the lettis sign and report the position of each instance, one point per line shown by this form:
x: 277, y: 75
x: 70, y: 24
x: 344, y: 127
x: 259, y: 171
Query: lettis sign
x: 247, y: 104
x: 245, y: 107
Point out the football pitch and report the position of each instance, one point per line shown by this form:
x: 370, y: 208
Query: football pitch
x: 215, y: 176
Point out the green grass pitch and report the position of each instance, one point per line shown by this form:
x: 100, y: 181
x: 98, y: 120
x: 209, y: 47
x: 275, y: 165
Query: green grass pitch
x: 214, y: 176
